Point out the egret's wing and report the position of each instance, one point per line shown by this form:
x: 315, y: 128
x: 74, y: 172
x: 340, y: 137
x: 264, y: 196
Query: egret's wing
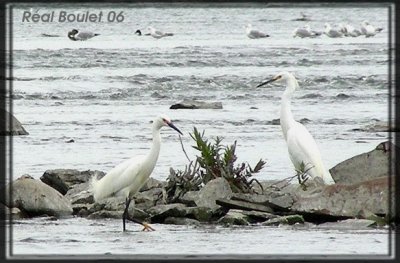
x: 303, y: 148
x: 115, y: 180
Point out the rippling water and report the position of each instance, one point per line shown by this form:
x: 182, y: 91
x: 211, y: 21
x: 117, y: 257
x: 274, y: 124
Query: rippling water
x: 103, y: 93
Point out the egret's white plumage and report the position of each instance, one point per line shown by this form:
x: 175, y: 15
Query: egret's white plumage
x: 157, y: 33
x: 305, y: 31
x: 253, y: 33
x: 129, y: 176
x: 301, y: 145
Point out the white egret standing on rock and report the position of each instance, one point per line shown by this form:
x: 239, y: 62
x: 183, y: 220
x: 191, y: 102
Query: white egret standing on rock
x: 302, y: 148
x: 128, y: 177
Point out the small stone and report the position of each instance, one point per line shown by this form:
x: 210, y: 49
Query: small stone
x: 286, y: 220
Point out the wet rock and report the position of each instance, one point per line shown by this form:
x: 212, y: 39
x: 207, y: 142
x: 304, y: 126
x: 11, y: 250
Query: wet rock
x: 215, y: 189
x: 160, y: 212
x: 35, y: 198
x: 377, y: 126
x: 284, y: 220
x: 242, y: 205
x: 79, y: 190
x: 84, y: 197
x: 195, y: 104
x: 63, y: 179
x: 189, y: 198
x: 234, y: 217
x: 363, y: 167
x: 15, y: 128
x: 256, y: 216
x: 181, y: 221
x: 205, y: 214
x: 273, y: 199
x: 349, y: 224
x: 6, y: 211
x: 341, y: 200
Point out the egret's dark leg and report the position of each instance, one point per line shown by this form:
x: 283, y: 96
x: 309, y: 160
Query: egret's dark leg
x: 125, y: 214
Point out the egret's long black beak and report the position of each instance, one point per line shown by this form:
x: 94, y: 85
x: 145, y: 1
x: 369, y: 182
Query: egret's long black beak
x: 170, y: 124
x: 266, y: 82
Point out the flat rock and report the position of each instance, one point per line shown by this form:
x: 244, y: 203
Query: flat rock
x: 10, y: 125
x: 35, y: 198
x: 346, y: 200
x: 349, y: 224
x: 242, y: 205
x: 195, y: 104
x: 215, y: 189
x: 63, y: 179
x: 257, y: 216
x: 364, y: 167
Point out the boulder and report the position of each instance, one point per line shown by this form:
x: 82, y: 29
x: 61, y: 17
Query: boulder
x: 234, y: 217
x: 205, y: 214
x: 365, y: 166
x: 215, y: 189
x: 181, y: 221
x: 147, y: 199
x: 63, y: 179
x: 284, y: 220
x: 189, y: 198
x: 195, y: 104
x: 152, y: 183
x: 158, y: 213
x: 35, y: 198
x: 10, y: 125
x: 341, y: 200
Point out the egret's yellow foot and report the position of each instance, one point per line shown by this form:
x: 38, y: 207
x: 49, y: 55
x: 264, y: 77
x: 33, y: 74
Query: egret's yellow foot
x: 147, y: 227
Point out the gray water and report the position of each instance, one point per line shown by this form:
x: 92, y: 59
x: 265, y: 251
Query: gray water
x: 103, y: 93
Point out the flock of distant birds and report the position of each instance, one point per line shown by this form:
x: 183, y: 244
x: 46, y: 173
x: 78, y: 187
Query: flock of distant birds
x: 335, y: 31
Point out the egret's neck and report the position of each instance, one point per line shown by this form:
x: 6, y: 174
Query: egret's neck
x: 152, y: 156
x: 287, y: 119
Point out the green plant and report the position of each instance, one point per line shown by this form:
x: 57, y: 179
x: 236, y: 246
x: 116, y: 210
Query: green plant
x: 215, y: 160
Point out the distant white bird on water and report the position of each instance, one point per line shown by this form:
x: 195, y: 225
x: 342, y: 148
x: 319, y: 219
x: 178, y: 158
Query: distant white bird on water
x: 157, y: 33
x: 75, y: 35
x: 332, y: 32
x: 351, y: 31
x: 305, y: 31
x: 369, y: 30
x: 254, y: 33
x: 302, y: 148
x: 128, y: 177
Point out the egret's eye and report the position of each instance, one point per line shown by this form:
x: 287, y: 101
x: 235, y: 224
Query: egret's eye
x: 164, y: 120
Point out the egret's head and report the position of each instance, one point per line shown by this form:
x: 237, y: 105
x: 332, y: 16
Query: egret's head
x: 282, y: 76
x: 364, y: 23
x: 164, y: 120
x: 150, y: 28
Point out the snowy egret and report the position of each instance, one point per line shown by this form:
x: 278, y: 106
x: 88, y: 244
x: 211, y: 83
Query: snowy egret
x: 157, y: 33
x: 128, y: 177
x: 302, y: 148
x: 75, y: 35
x: 369, y: 30
x: 351, y: 31
x: 253, y: 33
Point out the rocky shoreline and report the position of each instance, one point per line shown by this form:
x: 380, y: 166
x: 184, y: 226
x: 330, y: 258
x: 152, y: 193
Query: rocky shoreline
x: 361, y: 196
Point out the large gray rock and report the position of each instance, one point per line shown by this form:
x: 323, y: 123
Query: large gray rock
x: 284, y: 220
x: 364, y: 167
x: 10, y: 125
x: 341, y: 200
x: 63, y: 179
x: 215, y: 189
x: 36, y: 198
x: 160, y: 212
x: 195, y: 104
x: 234, y: 217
